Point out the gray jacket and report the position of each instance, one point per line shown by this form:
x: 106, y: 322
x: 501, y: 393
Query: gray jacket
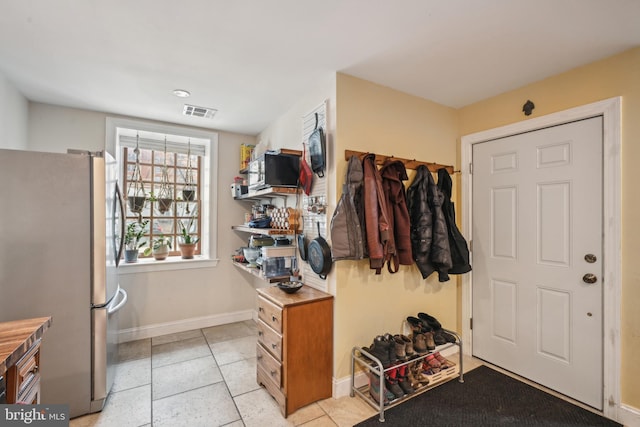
x: 348, y: 239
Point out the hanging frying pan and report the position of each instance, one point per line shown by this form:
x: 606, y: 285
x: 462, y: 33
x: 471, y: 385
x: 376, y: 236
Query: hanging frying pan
x: 319, y: 254
x: 302, y: 247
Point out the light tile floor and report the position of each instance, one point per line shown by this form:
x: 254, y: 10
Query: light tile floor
x: 205, y: 377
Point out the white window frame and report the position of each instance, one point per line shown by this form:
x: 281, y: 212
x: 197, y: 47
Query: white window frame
x: 209, y: 210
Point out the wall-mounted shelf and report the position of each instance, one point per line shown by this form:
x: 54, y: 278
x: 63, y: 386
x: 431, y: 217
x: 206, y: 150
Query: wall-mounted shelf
x: 259, y: 274
x: 267, y: 193
x: 408, y: 163
x: 263, y: 231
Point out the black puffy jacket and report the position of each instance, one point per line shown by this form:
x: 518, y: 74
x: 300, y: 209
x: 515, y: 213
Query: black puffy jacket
x: 429, y: 237
x: 457, y: 243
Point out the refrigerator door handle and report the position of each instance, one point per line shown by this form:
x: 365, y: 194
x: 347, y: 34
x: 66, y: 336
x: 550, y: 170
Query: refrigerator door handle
x: 113, y: 308
x: 119, y: 240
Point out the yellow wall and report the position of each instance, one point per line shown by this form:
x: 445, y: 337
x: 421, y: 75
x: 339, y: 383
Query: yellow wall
x: 615, y: 76
x: 377, y: 119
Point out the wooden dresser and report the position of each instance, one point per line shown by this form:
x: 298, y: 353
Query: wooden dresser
x: 20, y: 358
x: 295, y: 346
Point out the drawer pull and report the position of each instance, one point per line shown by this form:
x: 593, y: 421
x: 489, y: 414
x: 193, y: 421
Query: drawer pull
x: 33, y: 370
x: 260, y: 309
x: 274, y: 318
x: 260, y: 333
x: 273, y: 373
x: 274, y: 345
x: 259, y: 356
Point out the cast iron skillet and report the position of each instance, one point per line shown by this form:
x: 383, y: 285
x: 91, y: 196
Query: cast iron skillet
x: 319, y: 254
x: 302, y: 247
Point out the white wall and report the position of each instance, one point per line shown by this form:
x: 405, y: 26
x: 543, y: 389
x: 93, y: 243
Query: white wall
x: 165, y: 301
x: 13, y: 116
x: 286, y: 132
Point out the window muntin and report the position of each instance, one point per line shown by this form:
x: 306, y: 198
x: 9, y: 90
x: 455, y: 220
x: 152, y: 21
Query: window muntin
x: 164, y: 217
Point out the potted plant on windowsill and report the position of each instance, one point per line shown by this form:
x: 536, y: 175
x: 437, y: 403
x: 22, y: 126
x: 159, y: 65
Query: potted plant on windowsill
x: 186, y: 241
x: 159, y: 248
x: 133, y: 240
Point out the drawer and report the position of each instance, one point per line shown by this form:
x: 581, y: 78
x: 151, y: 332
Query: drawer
x: 270, y: 339
x: 274, y: 391
x: 26, y: 372
x: 31, y: 394
x: 270, y: 365
x: 270, y: 314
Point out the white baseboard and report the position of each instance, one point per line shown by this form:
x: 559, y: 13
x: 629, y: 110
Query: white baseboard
x: 342, y: 387
x: 155, y: 330
x: 629, y: 416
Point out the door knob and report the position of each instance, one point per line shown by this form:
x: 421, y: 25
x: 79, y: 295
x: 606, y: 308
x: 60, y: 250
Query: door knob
x: 589, y: 278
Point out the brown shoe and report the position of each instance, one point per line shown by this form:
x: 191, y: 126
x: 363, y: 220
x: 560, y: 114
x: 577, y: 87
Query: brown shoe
x: 431, y: 345
x: 400, y: 347
x: 419, y: 343
x: 418, y: 375
x: 409, y: 351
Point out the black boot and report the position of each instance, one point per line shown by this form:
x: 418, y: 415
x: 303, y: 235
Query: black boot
x: 380, y: 350
x: 391, y: 383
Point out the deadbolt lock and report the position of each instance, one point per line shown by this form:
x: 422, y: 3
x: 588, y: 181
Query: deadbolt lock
x: 589, y: 278
x: 590, y: 258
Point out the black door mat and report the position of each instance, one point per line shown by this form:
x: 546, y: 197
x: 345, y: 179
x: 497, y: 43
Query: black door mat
x: 487, y: 398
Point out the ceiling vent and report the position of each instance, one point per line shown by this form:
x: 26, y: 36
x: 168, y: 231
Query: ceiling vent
x: 204, y: 112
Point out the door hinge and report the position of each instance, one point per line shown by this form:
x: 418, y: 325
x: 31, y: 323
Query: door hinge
x: 471, y: 168
x: 471, y: 245
x: 471, y: 323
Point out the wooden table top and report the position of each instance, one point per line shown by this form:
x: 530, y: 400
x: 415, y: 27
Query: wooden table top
x: 17, y: 336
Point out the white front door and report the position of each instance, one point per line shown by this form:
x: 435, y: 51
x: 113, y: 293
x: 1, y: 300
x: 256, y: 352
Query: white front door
x: 537, y: 245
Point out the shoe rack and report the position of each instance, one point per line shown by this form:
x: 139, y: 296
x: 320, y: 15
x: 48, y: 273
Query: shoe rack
x: 365, y: 360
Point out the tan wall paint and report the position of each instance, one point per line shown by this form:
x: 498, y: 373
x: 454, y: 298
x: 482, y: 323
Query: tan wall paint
x: 377, y: 119
x: 616, y: 76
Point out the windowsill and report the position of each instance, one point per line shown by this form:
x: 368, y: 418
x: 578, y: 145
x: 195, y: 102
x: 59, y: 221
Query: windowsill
x: 145, y: 265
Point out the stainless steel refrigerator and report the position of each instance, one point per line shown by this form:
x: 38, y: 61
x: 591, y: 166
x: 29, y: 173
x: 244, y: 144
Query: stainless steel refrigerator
x: 61, y: 228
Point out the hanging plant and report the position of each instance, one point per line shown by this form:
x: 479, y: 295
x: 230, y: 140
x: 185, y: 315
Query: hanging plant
x: 189, y: 190
x: 136, y: 195
x: 165, y: 193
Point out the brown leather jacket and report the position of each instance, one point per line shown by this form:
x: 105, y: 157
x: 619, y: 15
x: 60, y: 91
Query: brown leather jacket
x: 393, y: 173
x: 375, y: 215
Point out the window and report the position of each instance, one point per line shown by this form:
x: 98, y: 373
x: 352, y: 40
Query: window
x: 172, y: 186
x: 177, y: 194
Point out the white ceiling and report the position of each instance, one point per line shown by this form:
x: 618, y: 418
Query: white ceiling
x: 252, y: 59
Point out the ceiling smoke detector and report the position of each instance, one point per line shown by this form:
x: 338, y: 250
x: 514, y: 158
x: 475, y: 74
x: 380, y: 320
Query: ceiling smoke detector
x: 204, y: 112
x: 181, y: 93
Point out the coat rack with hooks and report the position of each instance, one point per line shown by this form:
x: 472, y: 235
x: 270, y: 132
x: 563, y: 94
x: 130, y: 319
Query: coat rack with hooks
x: 408, y: 163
